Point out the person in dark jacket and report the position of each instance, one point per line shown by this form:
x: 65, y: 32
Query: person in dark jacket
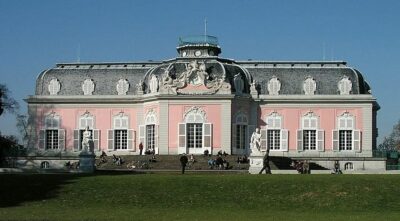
x: 184, y: 160
x: 266, y: 166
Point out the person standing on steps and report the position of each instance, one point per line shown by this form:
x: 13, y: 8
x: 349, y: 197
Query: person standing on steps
x: 140, y: 148
x: 184, y: 160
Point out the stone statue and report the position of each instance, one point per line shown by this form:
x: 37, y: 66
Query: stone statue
x: 153, y: 84
x: 255, y: 142
x: 139, y: 87
x: 86, y: 140
x: 239, y: 84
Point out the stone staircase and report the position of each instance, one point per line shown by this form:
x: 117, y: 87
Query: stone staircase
x: 171, y: 162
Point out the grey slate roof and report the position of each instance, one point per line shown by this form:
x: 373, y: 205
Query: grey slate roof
x: 291, y: 74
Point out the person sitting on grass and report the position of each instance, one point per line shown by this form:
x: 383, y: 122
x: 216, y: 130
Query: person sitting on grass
x: 219, y: 162
x: 206, y: 153
x: 225, y: 164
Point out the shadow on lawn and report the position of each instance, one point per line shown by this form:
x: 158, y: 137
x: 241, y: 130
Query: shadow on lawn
x: 16, y: 189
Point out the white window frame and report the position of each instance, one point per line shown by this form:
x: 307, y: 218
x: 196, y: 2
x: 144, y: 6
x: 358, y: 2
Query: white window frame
x: 241, y: 122
x: 274, y: 121
x: 86, y: 120
x: 120, y: 122
x: 52, y: 122
x: 311, y: 122
x: 346, y: 122
x: 150, y: 119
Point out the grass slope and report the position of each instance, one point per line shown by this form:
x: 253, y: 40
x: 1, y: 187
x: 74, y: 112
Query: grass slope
x: 199, y: 197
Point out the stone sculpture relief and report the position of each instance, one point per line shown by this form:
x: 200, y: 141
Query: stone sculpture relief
x: 195, y: 74
x: 153, y: 84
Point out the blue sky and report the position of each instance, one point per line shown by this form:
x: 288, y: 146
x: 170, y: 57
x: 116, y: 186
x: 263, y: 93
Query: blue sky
x: 35, y: 35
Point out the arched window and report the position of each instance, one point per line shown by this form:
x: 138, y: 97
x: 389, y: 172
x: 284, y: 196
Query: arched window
x: 240, y: 132
x: 121, y: 137
x: 310, y: 137
x: 45, y: 165
x: 52, y: 136
x: 346, y: 137
x: 276, y: 138
x: 194, y: 134
x: 148, y: 133
x: 348, y: 166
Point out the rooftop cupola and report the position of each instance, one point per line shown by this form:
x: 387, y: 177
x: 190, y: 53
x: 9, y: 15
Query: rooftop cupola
x: 198, y: 46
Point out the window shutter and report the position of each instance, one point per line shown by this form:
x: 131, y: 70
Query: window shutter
x: 142, y: 136
x: 320, y: 140
x: 61, y: 139
x: 251, y: 129
x: 300, y: 140
x: 284, y: 139
x: 335, y: 140
x: 234, y: 137
x: 263, y: 140
x: 42, y: 139
x: 357, y: 140
x: 110, y: 140
x: 207, y: 136
x: 181, y: 138
x: 76, y: 140
x: 131, y: 140
x: 96, y: 139
x: 156, y: 138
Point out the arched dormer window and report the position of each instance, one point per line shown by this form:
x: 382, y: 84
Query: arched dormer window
x: 88, y: 87
x: 346, y: 137
x: 194, y: 134
x: 309, y: 86
x: 54, y: 86
x: 121, y: 137
x: 274, y: 86
x: 122, y: 86
x: 310, y: 137
x: 52, y: 136
x: 344, y: 86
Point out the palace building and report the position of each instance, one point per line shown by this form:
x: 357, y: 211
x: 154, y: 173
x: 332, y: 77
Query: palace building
x: 200, y: 101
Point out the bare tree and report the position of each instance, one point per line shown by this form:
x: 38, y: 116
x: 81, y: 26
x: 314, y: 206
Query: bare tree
x: 392, y: 142
x: 7, y: 103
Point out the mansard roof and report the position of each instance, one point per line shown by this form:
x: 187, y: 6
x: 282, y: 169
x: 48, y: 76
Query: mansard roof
x: 291, y: 75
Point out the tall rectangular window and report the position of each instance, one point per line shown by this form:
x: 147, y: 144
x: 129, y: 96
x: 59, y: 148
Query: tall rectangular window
x: 274, y: 139
x: 121, y: 139
x: 241, y: 136
x: 51, y: 139
x: 309, y: 139
x: 194, y: 135
x: 150, y: 136
x: 345, y: 139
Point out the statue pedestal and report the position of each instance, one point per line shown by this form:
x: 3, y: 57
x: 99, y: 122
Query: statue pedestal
x: 86, y: 162
x: 255, y: 162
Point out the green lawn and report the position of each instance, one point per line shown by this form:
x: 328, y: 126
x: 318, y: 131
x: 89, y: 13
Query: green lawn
x: 199, y: 197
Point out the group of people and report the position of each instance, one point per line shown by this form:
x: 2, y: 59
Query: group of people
x: 218, y: 162
x: 117, y: 160
x: 302, y: 166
